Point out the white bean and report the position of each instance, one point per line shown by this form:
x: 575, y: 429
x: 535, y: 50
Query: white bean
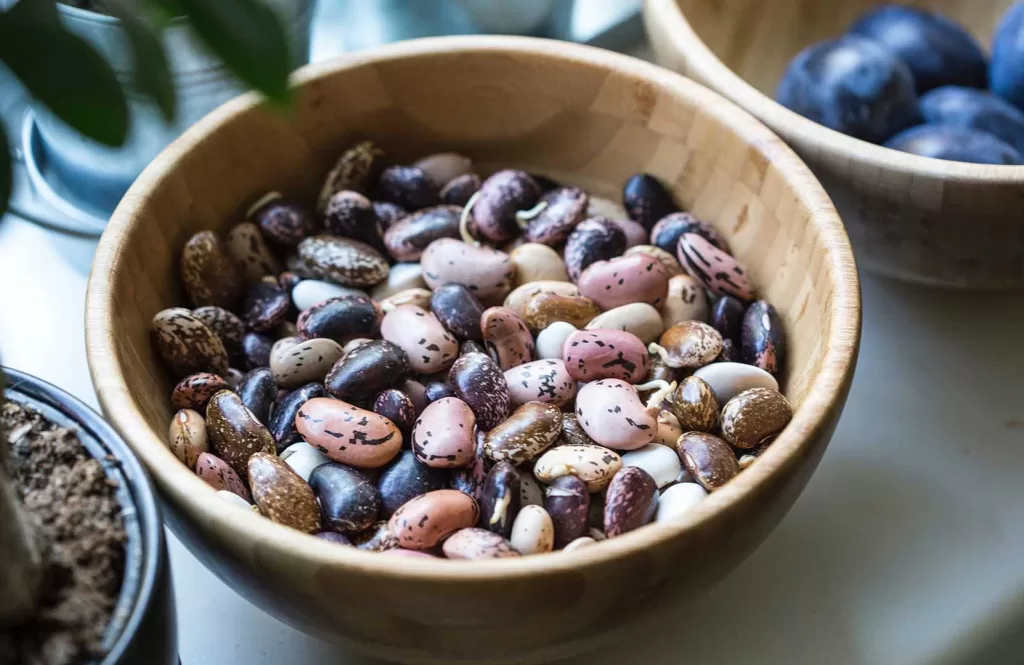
x: 533, y: 532
x: 661, y: 462
x: 303, y: 458
x: 678, y: 500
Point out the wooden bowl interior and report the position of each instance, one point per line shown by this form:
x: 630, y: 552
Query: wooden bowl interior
x: 579, y: 115
x: 757, y: 38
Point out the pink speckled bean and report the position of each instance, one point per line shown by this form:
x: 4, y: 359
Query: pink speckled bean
x: 717, y: 270
x: 507, y: 337
x: 611, y: 412
x: 443, y: 434
x: 429, y: 346
x: 624, y: 280
x: 216, y: 473
x: 423, y: 522
x: 477, y: 543
x: 486, y: 272
x: 605, y: 354
x: 541, y: 381
x: 348, y: 434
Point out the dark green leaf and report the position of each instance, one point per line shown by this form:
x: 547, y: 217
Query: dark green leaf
x: 5, y: 171
x: 63, y: 72
x: 247, y: 35
x: 151, y: 73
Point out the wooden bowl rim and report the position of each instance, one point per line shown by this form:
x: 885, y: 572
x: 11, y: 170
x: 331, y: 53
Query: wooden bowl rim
x: 810, y: 421
x: 665, y: 18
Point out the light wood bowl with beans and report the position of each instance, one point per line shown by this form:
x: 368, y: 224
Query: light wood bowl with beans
x: 917, y: 219
x: 580, y: 117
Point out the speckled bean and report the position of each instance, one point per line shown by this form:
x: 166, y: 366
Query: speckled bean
x: 507, y: 337
x: 545, y: 308
x: 348, y: 434
x: 528, y: 432
x: 186, y: 345
x: 686, y: 301
x: 660, y: 462
x: 187, y: 437
x: 487, y: 272
x: 480, y: 383
x: 605, y: 354
x: 611, y: 412
x: 564, y: 208
x: 754, y: 415
x: 594, y: 465
x: 341, y: 319
x: 282, y: 222
x: 573, y: 433
x: 378, y: 538
x: 594, y: 239
x: 666, y: 259
x: 630, y: 502
x: 426, y: 520
x: 366, y: 370
x: 517, y: 300
x: 551, y: 340
x: 443, y: 434
x: 418, y: 296
x: 541, y: 381
x: 689, y: 344
x: 281, y: 494
x: 669, y: 429
x: 342, y: 260
x: 428, y: 345
x: 303, y: 362
x: 349, y: 502
x: 624, y: 280
x: 500, y: 499
x: 195, y: 390
x: 397, y: 407
x: 247, y: 247
x: 695, y: 405
x: 729, y: 379
x: 219, y: 475
x: 530, y: 492
x: 406, y: 478
x: 470, y: 479
x: 476, y: 543
x: 567, y: 502
x: 501, y: 196
x: 707, y: 458
x: 208, y: 273
x: 717, y: 270
x: 536, y: 263
x: 667, y: 232
x: 234, y: 432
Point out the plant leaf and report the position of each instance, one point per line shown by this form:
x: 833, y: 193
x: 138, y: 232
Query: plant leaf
x: 62, y: 71
x: 151, y: 73
x: 6, y: 180
x: 247, y: 35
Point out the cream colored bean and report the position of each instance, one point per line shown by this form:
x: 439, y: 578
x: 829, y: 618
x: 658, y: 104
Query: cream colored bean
x: 303, y: 458
x: 582, y: 541
x: 639, y: 318
x: 401, y: 277
x: 678, y: 500
x: 516, y: 301
x: 551, y: 340
x: 532, y: 531
x: 686, y: 301
x: 594, y: 465
x: 535, y: 262
x: 660, y: 462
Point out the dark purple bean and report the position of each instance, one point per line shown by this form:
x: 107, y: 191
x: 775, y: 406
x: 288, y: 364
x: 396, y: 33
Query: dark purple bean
x: 763, y: 338
x: 435, y: 390
x: 646, y: 200
x: 459, y: 190
x: 266, y: 305
x: 406, y: 239
x: 472, y: 346
x: 397, y: 407
x: 388, y: 213
x: 227, y: 326
x: 282, y: 421
x: 667, y: 232
x: 458, y: 310
x: 366, y: 370
x: 501, y: 499
x: 727, y: 317
x: 256, y: 350
x: 349, y: 502
x: 341, y: 319
x: 408, y: 187
x: 470, y: 478
x: 708, y: 458
x: 500, y: 197
x: 258, y: 392
x: 565, y: 207
x: 568, y: 503
x: 405, y: 479
x: 283, y: 222
x: 351, y: 214
x: 595, y: 239
x: 334, y: 537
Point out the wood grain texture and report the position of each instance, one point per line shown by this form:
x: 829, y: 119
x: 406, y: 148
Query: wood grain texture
x: 589, y: 117
x: 914, y: 218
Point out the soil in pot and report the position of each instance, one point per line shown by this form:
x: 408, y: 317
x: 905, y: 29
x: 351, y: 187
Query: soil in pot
x: 74, y: 507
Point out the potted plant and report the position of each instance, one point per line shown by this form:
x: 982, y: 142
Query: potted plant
x: 85, y: 575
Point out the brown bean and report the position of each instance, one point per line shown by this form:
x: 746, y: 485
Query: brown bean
x: 281, y: 494
x: 568, y: 503
x: 708, y: 458
x: 754, y: 415
x: 695, y: 405
x: 631, y: 501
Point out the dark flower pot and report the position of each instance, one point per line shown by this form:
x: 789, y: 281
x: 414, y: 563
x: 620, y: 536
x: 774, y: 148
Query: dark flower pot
x: 142, y: 629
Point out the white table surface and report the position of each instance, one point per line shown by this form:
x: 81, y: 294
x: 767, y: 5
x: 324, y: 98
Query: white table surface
x: 906, y: 547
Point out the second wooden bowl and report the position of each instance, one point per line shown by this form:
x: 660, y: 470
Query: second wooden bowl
x: 914, y: 218
x: 576, y: 114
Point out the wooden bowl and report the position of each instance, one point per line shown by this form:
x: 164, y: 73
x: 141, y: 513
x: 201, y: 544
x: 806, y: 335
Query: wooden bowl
x: 583, y: 115
x: 914, y: 218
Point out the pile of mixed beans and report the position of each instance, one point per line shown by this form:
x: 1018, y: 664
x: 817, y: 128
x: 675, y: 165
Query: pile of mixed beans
x: 413, y: 389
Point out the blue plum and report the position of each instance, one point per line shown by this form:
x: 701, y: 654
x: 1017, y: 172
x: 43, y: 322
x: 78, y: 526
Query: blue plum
x: 1007, y: 71
x: 975, y: 109
x: 852, y: 85
x: 937, y: 50
x: 958, y: 144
